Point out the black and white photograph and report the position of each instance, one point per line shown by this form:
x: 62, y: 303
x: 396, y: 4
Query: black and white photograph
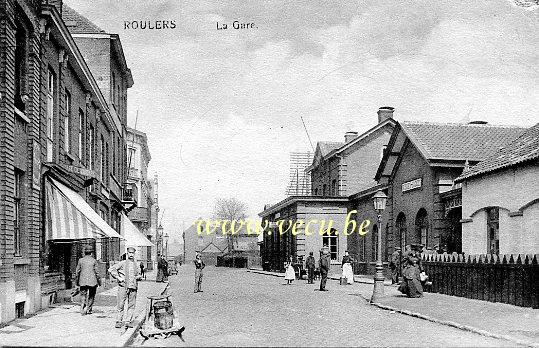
x: 269, y: 173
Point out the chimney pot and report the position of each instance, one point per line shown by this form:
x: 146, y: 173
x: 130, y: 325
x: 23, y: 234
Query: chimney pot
x: 349, y: 136
x: 384, y: 113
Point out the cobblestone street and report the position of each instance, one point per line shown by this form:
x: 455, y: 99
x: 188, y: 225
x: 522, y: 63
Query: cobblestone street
x: 239, y: 308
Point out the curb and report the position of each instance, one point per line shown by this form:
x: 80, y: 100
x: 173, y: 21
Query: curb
x: 456, y: 325
x: 141, y: 319
x: 362, y: 281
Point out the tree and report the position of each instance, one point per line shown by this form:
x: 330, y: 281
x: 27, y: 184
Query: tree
x: 230, y: 209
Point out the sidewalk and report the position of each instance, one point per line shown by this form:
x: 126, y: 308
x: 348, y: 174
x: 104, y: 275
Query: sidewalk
x: 63, y: 325
x: 519, y: 325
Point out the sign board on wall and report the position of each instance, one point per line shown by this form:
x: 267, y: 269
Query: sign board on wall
x: 411, y: 185
x: 36, y: 165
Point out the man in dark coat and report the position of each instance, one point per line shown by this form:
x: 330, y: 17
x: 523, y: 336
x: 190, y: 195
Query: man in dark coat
x: 88, y: 279
x: 394, y: 265
x: 310, y: 264
x: 324, y: 264
x: 161, y: 269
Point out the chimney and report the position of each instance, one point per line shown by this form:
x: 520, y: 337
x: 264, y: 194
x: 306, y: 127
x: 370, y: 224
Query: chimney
x: 349, y: 136
x: 384, y: 113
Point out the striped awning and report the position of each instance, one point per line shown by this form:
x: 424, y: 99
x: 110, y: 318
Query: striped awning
x: 69, y: 217
x: 133, y: 236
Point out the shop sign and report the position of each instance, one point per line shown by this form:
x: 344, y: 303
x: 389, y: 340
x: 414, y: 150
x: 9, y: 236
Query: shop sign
x: 411, y: 185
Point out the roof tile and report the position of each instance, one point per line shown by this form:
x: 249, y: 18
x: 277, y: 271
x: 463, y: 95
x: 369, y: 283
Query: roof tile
x: 78, y: 24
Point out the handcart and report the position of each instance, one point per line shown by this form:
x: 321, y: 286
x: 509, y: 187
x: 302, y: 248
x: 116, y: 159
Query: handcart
x: 160, y: 321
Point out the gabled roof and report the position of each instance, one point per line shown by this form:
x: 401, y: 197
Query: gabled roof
x: 458, y: 141
x: 446, y: 143
x: 522, y: 149
x: 327, y: 146
x: 77, y: 23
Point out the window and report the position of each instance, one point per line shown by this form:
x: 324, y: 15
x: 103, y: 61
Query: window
x: 91, y: 152
x: 114, y: 156
x: 493, y: 227
x: 362, y: 248
x: 18, y: 198
x: 20, y: 64
x: 50, y: 114
x: 324, y: 187
x: 101, y: 159
x: 334, y: 187
x: 422, y: 226
x: 400, y: 226
x: 384, y: 148
x: 332, y: 242
x: 131, y: 159
x: 81, y: 133
x: 67, y: 121
x: 374, y: 243
x: 107, y: 164
x: 316, y: 191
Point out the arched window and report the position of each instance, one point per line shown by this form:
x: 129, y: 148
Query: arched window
x: 331, y: 240
x: 493, y: 227
x: 374, y: 241
x: 400, y: 230
x: 422, y: 226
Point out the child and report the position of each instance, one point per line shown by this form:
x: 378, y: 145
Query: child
x: 290, y: 274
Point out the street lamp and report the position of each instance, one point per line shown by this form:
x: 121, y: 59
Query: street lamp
x: 380, y: 200
x: 165, y: 240
x: 160, y: 240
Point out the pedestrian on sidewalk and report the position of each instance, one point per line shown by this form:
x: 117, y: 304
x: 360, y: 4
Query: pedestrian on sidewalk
x: 87, y: 278
x: 347, y: 271
x: 161, y: 268
x: 310, y: 264
x: 411, y: 286
x: 394, y: 265
x: 199, y: 266
x: 290, y: 274
x: 323, y: 264
x: 142, y: 273
x: 126, y: 272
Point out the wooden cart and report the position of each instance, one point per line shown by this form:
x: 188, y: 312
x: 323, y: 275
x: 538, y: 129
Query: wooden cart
x: 150, y: 330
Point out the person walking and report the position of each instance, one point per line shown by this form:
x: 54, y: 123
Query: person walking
x: 310, y: 264
x: 161, y: 268
x: 394, y: 265
x: 323, y: 264
x: 126, y: 272
x: 290, y: 274
x: 142, y: 273
x: 87, y: 278
x: 199, y: 266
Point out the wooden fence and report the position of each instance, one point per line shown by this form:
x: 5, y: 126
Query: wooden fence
x: 512, y: 279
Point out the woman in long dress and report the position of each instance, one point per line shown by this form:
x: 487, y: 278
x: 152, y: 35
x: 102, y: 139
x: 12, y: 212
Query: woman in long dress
x: 411, y: 286
x: 290, y: 274
x: 347, y: 271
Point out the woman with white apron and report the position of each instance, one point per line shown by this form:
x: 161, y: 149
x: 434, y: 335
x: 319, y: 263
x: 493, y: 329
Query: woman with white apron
x: 347, y: 271
x: 290, y: 274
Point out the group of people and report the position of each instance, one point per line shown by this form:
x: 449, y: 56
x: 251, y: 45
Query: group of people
x: 323, y: 266
x: 409, y: 263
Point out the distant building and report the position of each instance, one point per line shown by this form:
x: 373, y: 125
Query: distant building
x: 500, y: 200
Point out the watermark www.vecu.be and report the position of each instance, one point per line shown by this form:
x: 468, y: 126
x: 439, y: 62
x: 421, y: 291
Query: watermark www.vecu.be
x: 255, y: 227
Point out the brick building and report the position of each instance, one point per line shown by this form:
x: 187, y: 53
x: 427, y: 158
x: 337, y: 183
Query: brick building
x: 138, y: 158
x: 339, y: 172
x: 420, y: 166
x: 500, y: 200
x: 62, y: 157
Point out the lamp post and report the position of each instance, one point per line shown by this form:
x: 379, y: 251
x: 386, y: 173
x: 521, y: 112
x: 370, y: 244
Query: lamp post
x: 160, y: 240
x: 165, y: 240
x: 379, y: 201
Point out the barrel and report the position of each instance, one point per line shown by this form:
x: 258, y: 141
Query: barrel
x: 163, y: 315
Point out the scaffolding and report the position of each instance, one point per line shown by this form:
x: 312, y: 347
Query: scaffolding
x: 300, y: 182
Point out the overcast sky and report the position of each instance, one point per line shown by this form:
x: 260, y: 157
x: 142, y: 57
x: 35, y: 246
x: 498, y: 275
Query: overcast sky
x: 222, y: 108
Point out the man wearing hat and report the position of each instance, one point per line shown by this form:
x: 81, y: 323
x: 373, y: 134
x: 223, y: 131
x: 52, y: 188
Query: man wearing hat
x: 324, y: 264
x: 310, y: 265
x: 394, y: 265
x: 126, y: 272
x: 87, y: 278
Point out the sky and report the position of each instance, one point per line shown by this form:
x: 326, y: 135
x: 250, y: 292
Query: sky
x: 222, y: 109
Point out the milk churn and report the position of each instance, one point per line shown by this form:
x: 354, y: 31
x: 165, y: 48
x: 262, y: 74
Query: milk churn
x: 163, y: 315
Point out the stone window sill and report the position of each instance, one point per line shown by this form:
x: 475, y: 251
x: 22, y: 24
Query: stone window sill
x: 17, y: 260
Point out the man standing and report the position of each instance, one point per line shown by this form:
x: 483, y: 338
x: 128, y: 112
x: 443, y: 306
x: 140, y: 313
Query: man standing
x: 324, y: 268
x: 199, y: 266
x: 160, y: 269
x: 394, y: 265
x: 88, y: 279
x: 310, y: 264
x: 142, y: 273
x: 127, y: 275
